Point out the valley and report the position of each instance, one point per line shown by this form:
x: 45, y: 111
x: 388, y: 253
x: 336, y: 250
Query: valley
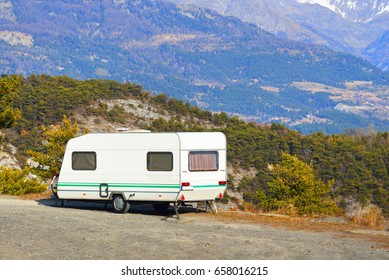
x: 196, y: 55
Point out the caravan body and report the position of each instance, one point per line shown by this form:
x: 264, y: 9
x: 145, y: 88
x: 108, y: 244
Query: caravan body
x: 146, y: 167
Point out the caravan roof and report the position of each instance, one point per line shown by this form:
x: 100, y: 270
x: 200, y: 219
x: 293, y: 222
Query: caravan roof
x: 140, y: 140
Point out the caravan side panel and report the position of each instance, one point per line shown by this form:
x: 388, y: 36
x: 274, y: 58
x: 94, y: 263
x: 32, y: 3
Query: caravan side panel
x: 122, y: 167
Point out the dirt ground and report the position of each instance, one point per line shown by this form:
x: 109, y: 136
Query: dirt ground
x: 41, y: 229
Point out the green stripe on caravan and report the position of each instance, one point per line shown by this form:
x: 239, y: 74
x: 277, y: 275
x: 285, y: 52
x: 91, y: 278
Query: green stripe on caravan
x: 123, y: 185
x: 210, y: 186
x: 118, y: 185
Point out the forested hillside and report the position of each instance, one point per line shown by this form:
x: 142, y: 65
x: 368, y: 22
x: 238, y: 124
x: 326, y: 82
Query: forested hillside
x: 358, y: 161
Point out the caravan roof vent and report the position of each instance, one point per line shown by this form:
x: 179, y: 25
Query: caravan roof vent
x: 140, y: 130
x: 122, y: 129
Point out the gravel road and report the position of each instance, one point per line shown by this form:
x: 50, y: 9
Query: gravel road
x: 43, y: 230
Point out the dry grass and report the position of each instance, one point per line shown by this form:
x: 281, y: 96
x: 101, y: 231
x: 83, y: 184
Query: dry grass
x: 370, y: 217
x: 250, y: 207
x: 36, y: 196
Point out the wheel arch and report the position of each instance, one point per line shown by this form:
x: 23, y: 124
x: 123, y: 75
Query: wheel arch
x: 115, y: 193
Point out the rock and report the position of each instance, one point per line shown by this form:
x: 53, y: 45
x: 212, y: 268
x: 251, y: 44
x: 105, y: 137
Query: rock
x: 7, y: 157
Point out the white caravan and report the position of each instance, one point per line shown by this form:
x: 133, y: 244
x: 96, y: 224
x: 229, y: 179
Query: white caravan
x: 158, y: 168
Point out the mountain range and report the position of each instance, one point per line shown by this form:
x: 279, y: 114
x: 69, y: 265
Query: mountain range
x: 354, y: 26
x: 219, y: 62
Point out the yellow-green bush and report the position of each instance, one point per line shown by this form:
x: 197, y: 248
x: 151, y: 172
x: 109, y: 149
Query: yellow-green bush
x: 16, y: 182
x: 295, y: 188
x: 56, y: 138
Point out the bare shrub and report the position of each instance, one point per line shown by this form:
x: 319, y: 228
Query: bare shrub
x: 370, y: 216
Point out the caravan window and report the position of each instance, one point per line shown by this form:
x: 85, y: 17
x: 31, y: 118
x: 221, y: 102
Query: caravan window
x: 159, y: 161
x: 84, y: 161
x: 204, y: 161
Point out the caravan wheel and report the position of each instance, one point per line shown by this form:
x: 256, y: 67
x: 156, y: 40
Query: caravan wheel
x: 119, y: 204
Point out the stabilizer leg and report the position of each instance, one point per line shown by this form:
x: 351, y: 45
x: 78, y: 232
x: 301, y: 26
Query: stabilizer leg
x: 176, y: 207
x: 213, y: 206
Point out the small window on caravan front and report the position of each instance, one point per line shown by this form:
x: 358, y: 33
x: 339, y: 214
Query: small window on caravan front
x: 204, y: 161
x: 84, y: 161
x: 159, y: 161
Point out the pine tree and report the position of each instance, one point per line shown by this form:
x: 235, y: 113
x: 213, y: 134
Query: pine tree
x: 8, y: 114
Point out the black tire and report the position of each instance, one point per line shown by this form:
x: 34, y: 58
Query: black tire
x: 119, y: 204
x: 54, y: 185
x: 161, y: 208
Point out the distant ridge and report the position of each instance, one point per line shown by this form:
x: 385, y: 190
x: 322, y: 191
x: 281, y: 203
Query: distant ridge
x: 345, y: 25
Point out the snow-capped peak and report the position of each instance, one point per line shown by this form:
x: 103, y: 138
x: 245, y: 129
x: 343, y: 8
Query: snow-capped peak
x: 324, y: 3
x: 356, y: 10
